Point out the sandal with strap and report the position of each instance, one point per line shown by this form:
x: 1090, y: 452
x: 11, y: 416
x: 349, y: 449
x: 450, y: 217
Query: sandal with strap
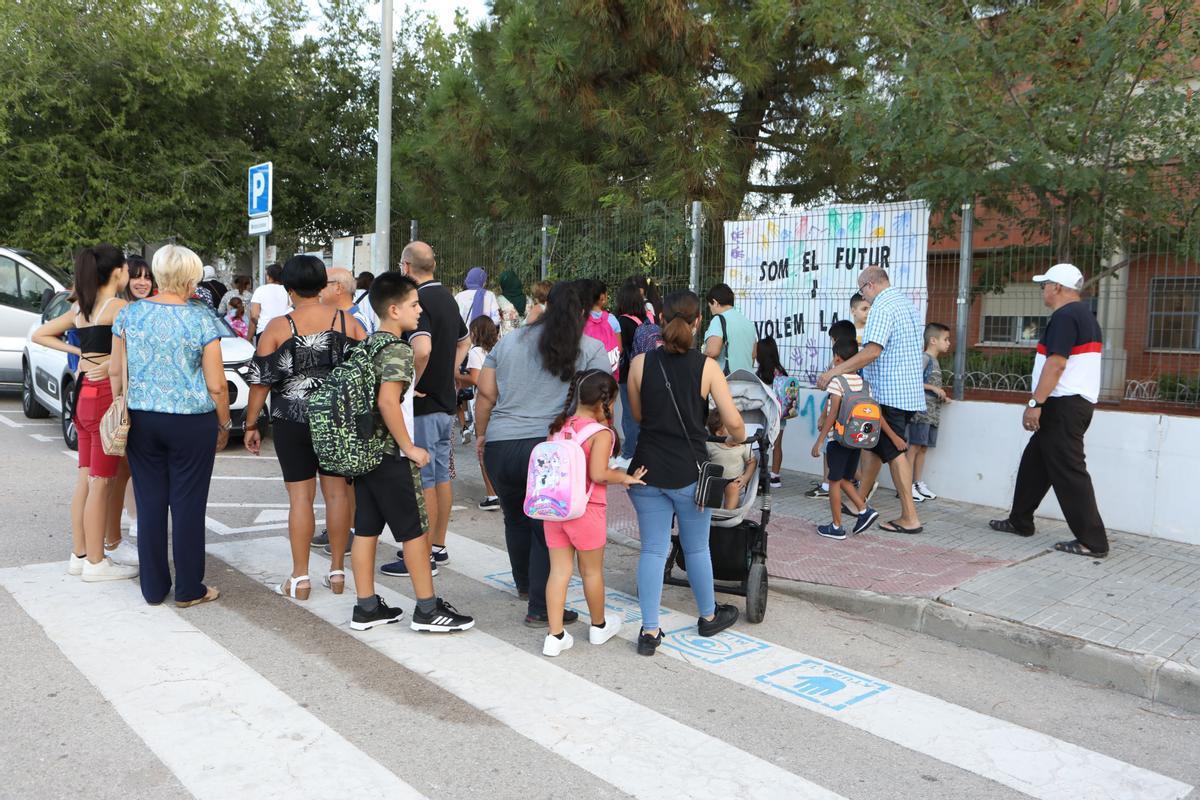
x: 211, y: 594
x: 1076, y: 549
x: 292, y: 588
x: 336, y: 586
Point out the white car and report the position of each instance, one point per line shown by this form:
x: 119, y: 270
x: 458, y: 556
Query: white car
x: 27, y: 282
x: 48, y: 379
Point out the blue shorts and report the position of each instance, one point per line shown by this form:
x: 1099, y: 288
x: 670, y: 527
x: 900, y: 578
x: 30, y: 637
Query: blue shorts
x: 432, y: 432
x: 922, y: 434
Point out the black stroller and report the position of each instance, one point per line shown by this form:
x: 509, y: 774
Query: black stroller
x: 739, y: 545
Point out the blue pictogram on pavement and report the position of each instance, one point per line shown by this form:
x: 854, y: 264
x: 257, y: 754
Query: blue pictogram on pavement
x: 718, y: 649
x: 823, y: 684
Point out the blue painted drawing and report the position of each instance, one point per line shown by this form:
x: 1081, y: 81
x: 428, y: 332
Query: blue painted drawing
x: 824, y: 684
x: 712, y: 649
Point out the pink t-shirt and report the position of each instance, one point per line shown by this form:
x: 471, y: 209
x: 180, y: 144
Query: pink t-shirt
x: 599, y: 491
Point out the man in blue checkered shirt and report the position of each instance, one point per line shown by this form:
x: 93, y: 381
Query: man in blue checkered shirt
x: 890, y: 360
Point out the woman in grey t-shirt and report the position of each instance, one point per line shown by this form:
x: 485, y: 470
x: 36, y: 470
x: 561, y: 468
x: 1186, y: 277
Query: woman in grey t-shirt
x: 521, y: 389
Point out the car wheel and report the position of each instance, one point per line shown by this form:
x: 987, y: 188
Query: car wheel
x: 29, y: 403
x: 70, y: 435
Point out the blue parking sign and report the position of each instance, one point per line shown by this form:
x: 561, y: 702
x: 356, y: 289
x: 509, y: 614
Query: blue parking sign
x: 259, y: 190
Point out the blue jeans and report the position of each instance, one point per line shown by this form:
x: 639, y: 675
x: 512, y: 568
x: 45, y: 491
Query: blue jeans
x: 655, y: 507
x: 629, y: 426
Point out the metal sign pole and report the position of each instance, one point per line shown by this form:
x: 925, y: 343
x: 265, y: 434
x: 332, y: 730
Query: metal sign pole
x: 381, y: 253
x: 262, y: 259
x: 966, y: 246
x: 697, y: 227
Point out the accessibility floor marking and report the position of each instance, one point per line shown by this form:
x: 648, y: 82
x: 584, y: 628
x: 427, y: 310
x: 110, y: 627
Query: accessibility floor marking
x: 1031, y: 762
x: 222, y: 728
x: 598, y: 730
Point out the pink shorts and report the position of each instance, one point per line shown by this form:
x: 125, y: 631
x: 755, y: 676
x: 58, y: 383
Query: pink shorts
x: 589, y: 532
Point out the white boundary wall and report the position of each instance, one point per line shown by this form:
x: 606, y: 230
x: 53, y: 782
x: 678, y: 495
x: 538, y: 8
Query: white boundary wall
x: 1144, y: 466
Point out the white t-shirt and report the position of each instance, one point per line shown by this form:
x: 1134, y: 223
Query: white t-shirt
x: 273, y: 302
x: 466, y: 299
x: 475, y: 358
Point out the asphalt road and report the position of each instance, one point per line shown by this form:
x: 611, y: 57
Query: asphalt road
x: 258, y: 696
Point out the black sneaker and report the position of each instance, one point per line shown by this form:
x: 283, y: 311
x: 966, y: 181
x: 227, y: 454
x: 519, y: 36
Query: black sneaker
x: 817, y: 491
x: 647, y: 644
x: 489, y: 504
x: 724, y: 617
x: 543, y: 621
x: 440, y: 554
x: 321, y: 539
x: 397, y: 569
x: 442, y: 619
x: 382, y: 615
x: 776, y: 482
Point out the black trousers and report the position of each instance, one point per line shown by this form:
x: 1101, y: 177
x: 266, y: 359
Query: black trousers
x: 171, y: 460
x: 1054, y: 458
x: 507, y: 465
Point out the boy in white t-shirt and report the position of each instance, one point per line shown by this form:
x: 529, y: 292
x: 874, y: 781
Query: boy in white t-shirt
x: 484, y: 335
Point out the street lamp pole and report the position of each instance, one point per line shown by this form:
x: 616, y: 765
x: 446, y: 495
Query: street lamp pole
x: 381, y: 253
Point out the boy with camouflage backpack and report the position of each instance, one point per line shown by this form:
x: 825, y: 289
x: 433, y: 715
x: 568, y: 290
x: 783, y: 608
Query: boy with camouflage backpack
x: 361, y: 420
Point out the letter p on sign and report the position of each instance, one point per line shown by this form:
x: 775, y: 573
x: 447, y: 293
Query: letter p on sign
x: 259, y: 199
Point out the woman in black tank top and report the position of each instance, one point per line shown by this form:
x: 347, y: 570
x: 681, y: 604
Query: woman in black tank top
x: 670, y: 450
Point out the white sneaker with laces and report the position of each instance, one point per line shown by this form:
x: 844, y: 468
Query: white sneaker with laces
x: 107, y: 570
x: 923, y: 489
x: 601, y: 634
x: 124, y: 553
x: 75, y: 565
x: 553, y: 645
x: 916, y: 495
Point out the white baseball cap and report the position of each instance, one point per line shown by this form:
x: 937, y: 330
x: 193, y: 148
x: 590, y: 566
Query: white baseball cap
x: 1067, y: 275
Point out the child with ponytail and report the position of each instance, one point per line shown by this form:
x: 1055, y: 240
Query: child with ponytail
x: 590, y: 399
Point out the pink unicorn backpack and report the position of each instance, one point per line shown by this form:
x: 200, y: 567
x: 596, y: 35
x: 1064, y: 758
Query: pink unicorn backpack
x: 557, y: 488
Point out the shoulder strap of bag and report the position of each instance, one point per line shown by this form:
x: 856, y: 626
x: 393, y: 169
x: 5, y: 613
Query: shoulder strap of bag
x: 724, y: 342
x: 675, y: 405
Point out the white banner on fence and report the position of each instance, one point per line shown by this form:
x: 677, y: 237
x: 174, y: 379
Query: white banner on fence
x: 793, y: 276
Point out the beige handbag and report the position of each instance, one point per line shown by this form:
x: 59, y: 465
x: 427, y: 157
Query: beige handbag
x: 114, y: 425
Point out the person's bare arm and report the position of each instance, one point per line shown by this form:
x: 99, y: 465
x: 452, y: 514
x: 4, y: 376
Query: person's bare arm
x: 712, y: 346
x: 460, y: 352
x: 634, y: 386
x: 826, y: 423
x: 422, y: 347
x: 486, y: 394
x: 869, y: 352
x: 255, y: 313
x: 50, y: 334
x: 598, y: 469
x: 214, y: 378
x: 1052, y: 372
x: 391, y: 397
x: 116, y: 364
x: 897, y: 440
x: 718, y: 389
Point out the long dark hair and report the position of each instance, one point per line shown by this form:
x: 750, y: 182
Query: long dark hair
x: 139, y: 268
x: 588, y: 388
x: 680, y: 312
x: 629, y: 300
x: 93, y: 267
x: 768, y: 360
x: 561, y: 330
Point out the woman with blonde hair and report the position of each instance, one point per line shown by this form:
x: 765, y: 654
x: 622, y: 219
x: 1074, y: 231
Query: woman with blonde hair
x: 179, y: 418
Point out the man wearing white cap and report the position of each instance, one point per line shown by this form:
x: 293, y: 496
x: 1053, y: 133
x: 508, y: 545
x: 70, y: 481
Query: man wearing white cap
x: 1066, y: 385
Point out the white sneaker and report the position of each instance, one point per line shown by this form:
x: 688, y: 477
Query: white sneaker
x: 124, y: 553
x: 602, y: 634
x: 107, y: 570
x: 75, y: 565
x: 924, y: 490
x: 132, y: 529
x: 553, y: 645
x: 916, y: 495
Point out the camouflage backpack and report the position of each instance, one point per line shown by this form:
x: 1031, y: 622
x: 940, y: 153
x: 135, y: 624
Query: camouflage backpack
x: 341, y: 414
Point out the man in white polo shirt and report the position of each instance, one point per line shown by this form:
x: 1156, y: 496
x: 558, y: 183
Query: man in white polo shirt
x: 1066, y: 385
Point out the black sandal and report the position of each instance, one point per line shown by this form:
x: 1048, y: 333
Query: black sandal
x: 1076, y: 549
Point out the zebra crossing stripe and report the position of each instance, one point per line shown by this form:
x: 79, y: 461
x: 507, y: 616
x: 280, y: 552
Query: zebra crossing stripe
x: 222, y: 728
x: 596, y: 729
x: 1031, y: 762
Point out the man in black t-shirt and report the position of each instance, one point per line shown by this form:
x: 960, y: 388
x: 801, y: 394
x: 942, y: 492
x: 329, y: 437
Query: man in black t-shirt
x: 1066, y: 386
x: 439, y: 344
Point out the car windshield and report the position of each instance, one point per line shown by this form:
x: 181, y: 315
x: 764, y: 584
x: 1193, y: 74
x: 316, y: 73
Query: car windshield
x: 54, y: 271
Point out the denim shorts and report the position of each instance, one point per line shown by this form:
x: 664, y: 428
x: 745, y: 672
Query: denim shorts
x: 432, y: 432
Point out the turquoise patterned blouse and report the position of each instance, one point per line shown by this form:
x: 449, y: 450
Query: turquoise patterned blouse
x: 164, y: 345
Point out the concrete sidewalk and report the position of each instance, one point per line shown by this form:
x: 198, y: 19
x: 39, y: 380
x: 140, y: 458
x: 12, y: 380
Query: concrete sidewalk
x: 1131, y: 621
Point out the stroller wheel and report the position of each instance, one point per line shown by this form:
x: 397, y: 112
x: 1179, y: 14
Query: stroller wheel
x: 756, y: 592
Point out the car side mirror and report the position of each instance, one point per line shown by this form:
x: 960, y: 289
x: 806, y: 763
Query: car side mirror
x: 47, y: 296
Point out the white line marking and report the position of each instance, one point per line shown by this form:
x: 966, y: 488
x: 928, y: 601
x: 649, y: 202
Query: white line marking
x: 41, y: 437
x: 255, y: 505
x: 264, y: 459
x: 10, y: 423
x: 11, y: 411
x: 221, y: 529
x: 598, y: 730
x: 1031, y: 762
x: 223, y: 729
x: 275, y: 515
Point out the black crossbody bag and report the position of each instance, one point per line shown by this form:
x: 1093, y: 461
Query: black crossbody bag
x: 710, y: 480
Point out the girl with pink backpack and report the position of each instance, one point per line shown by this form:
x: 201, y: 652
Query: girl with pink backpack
x: 570, y: 471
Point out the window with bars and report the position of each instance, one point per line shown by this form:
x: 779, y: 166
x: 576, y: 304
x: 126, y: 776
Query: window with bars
x: 1016, y: 316
x: 1174, y: 320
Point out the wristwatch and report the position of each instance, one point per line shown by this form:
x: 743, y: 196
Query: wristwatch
x: 1033, y: 403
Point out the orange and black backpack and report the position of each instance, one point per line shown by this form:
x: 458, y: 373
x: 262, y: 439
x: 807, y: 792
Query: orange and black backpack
x: 860, y: 420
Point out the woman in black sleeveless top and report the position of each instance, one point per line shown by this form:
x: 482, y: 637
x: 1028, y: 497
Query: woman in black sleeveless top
x: 671, y: 456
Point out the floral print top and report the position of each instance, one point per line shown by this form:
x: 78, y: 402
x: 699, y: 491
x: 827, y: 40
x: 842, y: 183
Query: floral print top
x: 299, y: 367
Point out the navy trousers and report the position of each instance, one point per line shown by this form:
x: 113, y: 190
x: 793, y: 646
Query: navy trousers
x: 171, y: 460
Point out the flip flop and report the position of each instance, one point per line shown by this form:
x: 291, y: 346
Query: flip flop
x: 895, y: 527
x: 1076, y: 549
x: 212, y: 594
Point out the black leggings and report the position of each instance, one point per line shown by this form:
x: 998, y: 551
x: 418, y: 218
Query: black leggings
x: 507, y: 465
